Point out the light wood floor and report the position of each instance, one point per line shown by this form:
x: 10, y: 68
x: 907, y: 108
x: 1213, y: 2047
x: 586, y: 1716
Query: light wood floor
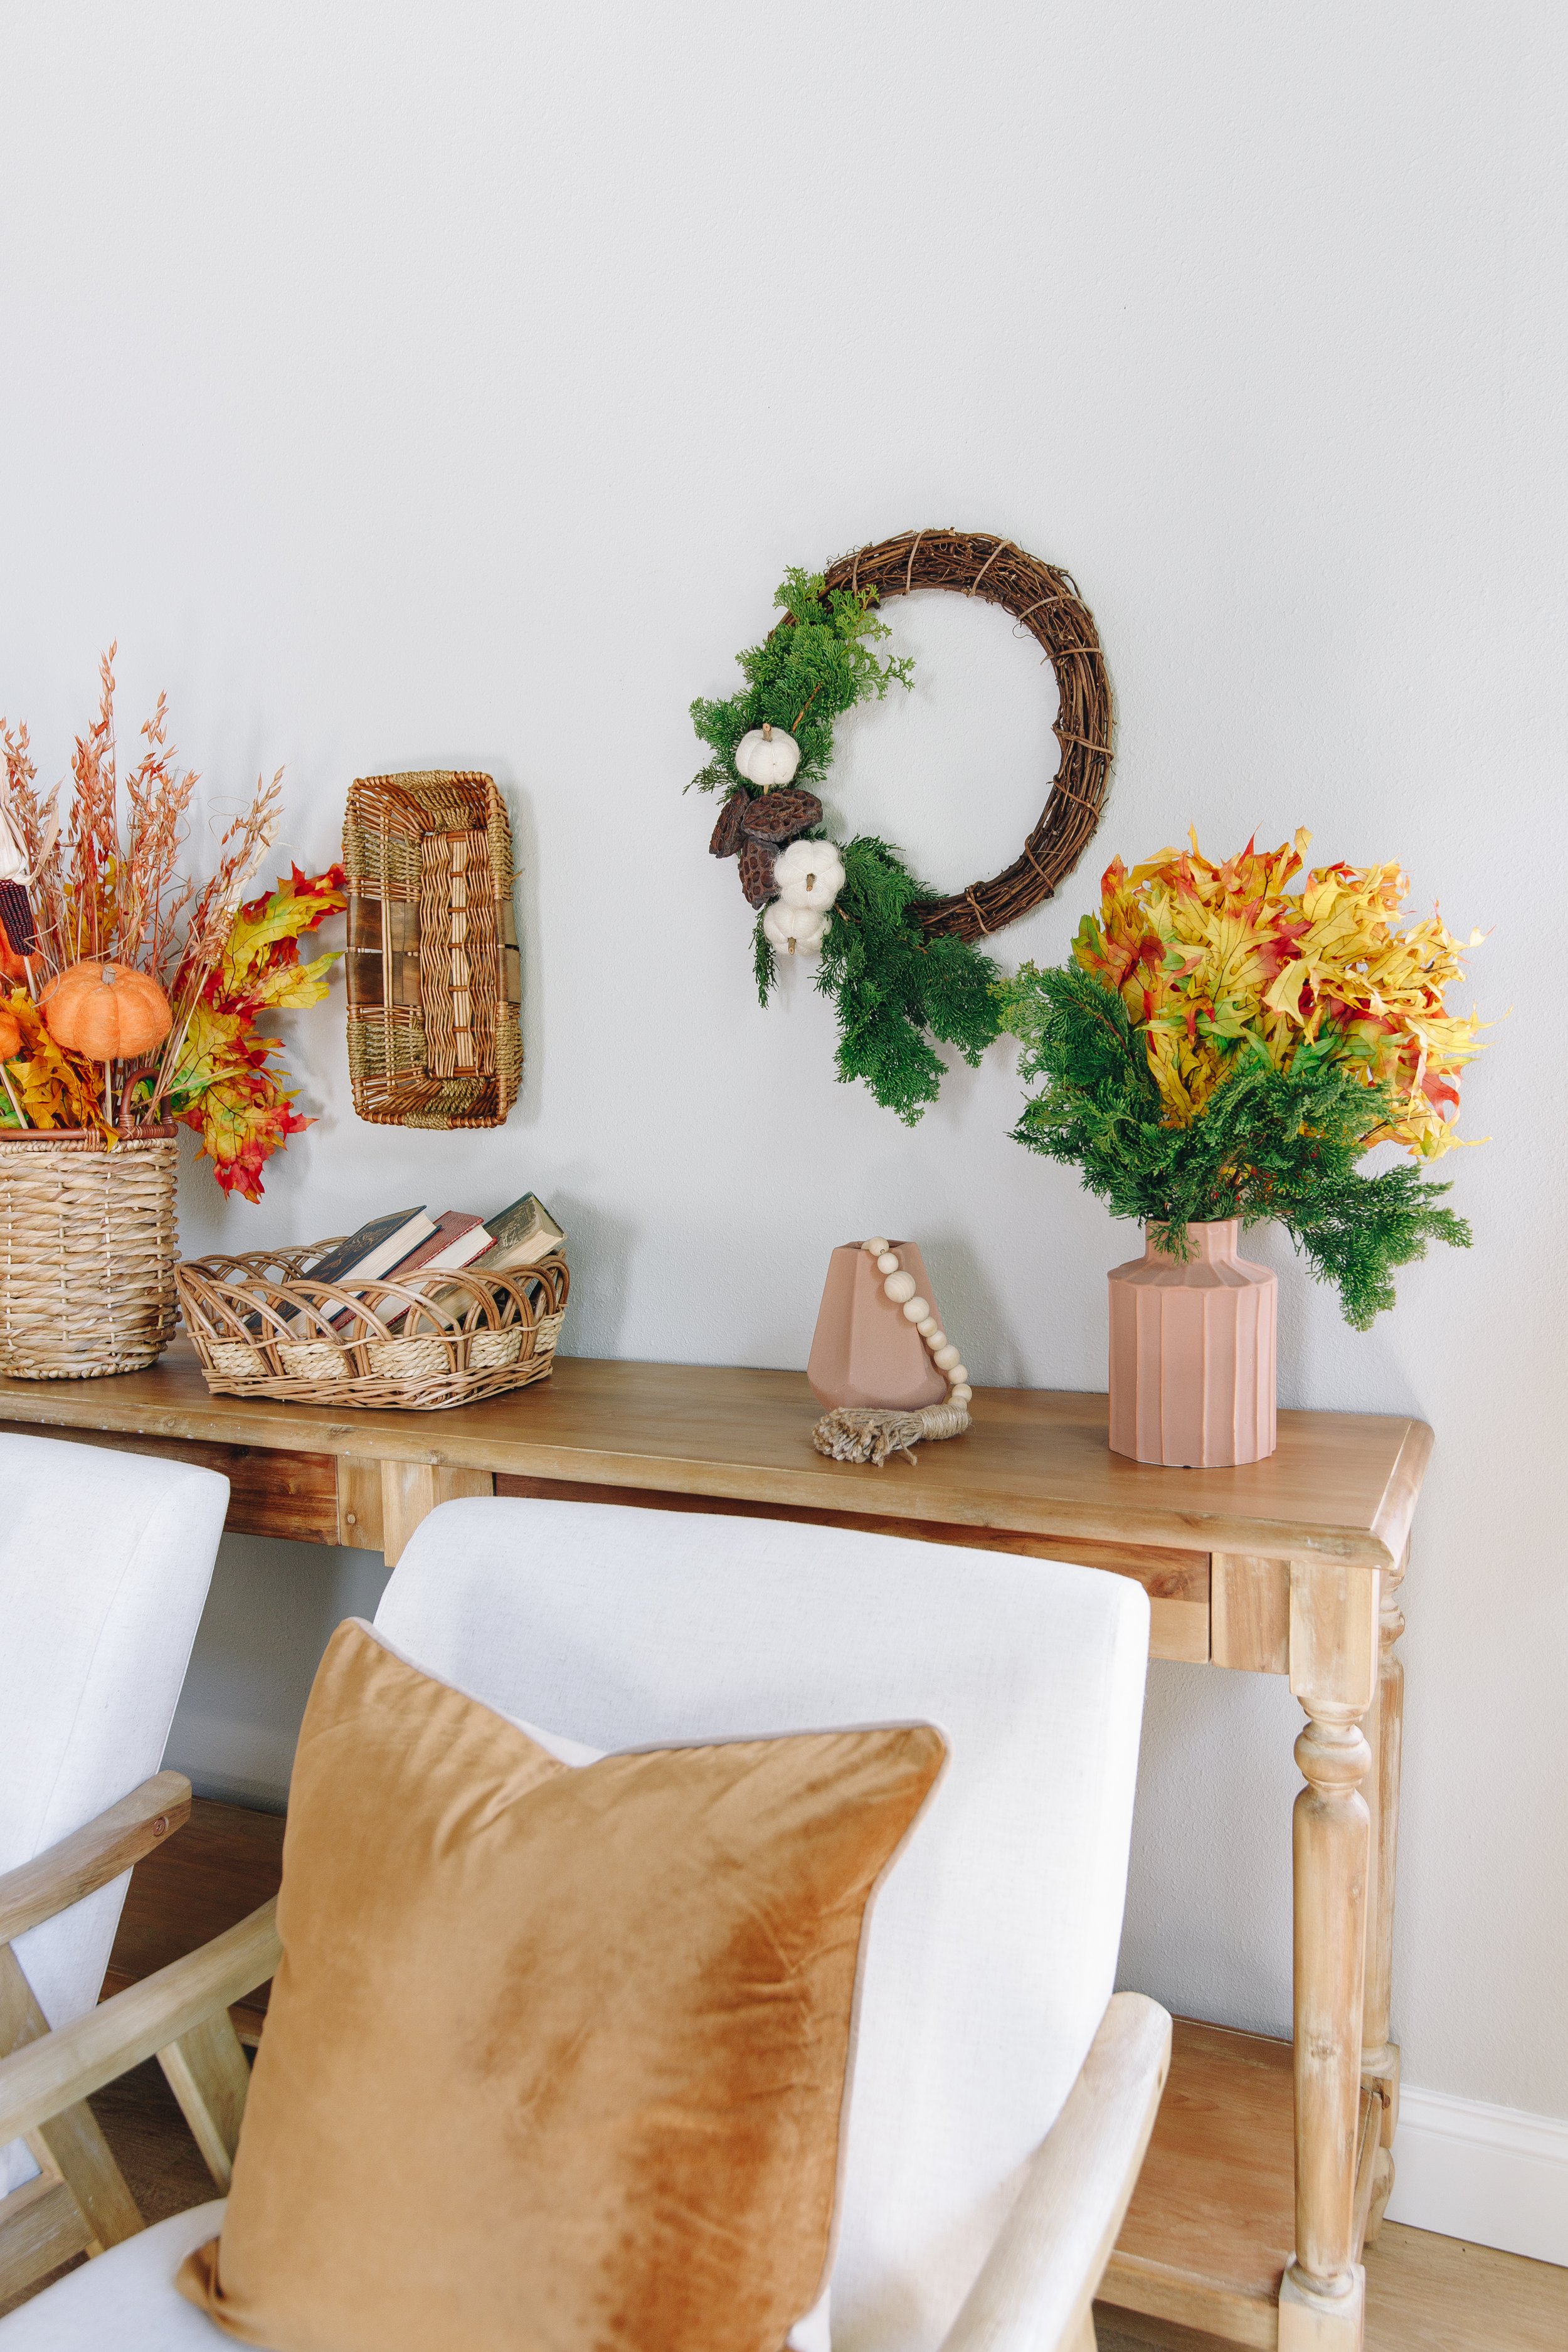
x: 1424, y: 2294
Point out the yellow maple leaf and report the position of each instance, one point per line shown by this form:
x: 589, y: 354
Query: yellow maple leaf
x: 1205, y: 955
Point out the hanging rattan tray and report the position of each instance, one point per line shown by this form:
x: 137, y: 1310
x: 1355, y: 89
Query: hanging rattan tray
x: 263, y: 1328
x: 434, y: 980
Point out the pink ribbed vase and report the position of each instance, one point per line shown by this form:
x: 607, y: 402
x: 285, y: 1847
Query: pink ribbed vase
x: 1192, y: 1353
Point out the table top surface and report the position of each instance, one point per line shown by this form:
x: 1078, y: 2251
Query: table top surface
x: 1340, y: 1485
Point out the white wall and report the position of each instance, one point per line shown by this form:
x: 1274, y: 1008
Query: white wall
x: 448, y: 385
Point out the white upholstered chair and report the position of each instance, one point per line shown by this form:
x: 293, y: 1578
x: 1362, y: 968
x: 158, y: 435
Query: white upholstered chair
x: 105, y: 1559
x: 1001, y: 2099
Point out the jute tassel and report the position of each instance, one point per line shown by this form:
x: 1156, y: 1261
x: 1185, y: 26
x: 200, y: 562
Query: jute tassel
x: 871, y: 1433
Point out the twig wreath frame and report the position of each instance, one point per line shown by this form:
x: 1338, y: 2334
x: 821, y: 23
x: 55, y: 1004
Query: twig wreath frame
x: 1045, y: 602
x: 900, y: 962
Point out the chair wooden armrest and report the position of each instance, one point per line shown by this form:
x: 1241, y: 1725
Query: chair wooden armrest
x: 76, y: 2060
x: 80, y: 1864
x: 79, y: 2199
x: 1037, y: 2287
x: 180, y: 2015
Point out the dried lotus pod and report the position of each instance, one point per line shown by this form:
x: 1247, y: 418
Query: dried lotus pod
x: 726, y: 839
x: 779, y: 816
x: 757, y: 871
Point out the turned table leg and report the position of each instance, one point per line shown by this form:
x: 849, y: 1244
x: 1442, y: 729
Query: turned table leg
x: 1379, y: 2056
x: 1333, y: 1671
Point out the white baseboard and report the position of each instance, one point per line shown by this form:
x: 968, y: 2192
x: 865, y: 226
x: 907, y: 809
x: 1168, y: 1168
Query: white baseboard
x: 1497, y: 2176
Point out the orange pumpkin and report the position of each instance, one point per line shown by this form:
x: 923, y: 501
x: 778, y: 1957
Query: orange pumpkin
x: 106, y: 1011
x: 10, y: 1037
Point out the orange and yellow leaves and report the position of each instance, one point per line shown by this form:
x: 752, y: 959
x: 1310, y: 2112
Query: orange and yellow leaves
x: 56, y: 1088
x: 222, y: 1080
x: 1205, y: 955
x: 243, y: 1118
x: 224, y: 1084
x: 261, y: 964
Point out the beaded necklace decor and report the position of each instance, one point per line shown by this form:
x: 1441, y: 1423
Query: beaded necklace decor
x: 872, y: 1432
x: 900, y: 1287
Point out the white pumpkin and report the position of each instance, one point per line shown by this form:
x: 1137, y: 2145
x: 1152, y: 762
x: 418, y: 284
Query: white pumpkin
x: 767, y: 756
x: 794, y: 930
x: 809, y: 874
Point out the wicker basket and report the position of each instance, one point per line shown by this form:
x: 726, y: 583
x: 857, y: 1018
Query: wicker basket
x: 87, y: 1252
x: 263, y: 1328
x: 434, y: 983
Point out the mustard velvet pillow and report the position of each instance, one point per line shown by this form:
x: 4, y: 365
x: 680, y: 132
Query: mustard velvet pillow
x: 555, y: 2059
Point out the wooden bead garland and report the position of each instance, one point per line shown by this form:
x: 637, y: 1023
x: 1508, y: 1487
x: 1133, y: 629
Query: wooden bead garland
x: 875, y: 1433
x: 900, y: 1287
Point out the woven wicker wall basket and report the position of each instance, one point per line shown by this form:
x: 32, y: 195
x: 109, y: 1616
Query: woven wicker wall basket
x: 87, y: 1252
x: 434, y: 976
x: 263, y: 1328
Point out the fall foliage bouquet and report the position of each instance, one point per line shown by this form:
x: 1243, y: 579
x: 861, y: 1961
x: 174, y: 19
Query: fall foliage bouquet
x: 130, y: 992
x: 1227, y: 1041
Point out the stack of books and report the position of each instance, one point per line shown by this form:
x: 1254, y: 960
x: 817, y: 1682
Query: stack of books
x: 411, y: 1240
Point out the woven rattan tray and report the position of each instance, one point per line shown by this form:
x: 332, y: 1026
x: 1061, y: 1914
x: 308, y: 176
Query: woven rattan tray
x: 262, y: 1328
x: 434, y: 980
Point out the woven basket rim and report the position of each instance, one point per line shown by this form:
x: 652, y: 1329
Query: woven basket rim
x: 368, y: 1393
x: 87, y: 1139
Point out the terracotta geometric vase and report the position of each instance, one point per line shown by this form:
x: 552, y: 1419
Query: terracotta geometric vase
x: 1193, y: 1353
x: 865, y: 1350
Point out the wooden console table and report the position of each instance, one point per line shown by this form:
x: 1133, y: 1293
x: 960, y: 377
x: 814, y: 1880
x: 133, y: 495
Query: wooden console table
x: 1270, y: 2163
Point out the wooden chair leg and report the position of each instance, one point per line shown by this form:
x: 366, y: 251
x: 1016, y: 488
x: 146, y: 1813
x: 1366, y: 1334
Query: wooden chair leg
x: 83, y: 2158
x: 40, y: 2228
x: 208, y: 2072
x: 72, y: 2142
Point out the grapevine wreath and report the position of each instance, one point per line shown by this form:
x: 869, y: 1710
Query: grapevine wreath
x: 901, y: 965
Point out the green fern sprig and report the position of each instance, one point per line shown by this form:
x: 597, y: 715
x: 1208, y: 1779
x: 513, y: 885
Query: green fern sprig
x: 816, y: 665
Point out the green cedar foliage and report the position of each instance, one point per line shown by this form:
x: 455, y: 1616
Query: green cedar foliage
x: 892, y: 983
x: 895, y: 987
x: 816, y: 664
x: 765, y: 965
x: 1270, y: 1143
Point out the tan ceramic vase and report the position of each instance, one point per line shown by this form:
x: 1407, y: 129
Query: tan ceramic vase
x: 865, y: 1350
x: 1192, y: 1353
